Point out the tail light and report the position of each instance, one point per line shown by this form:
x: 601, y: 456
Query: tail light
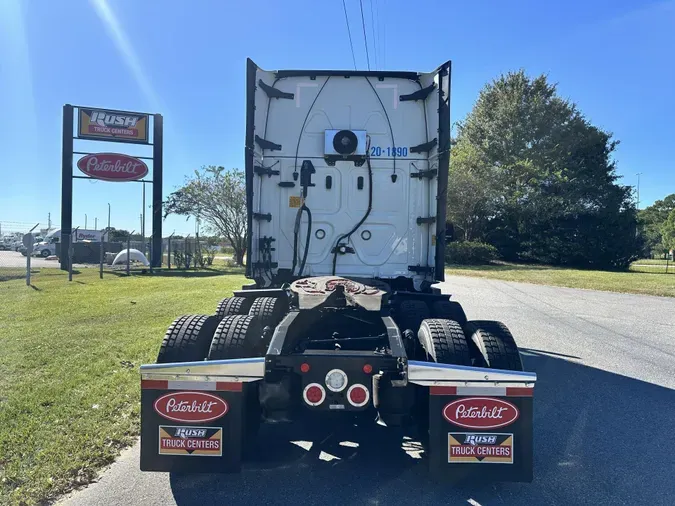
x: 358, y: 395
x: 314, y: 394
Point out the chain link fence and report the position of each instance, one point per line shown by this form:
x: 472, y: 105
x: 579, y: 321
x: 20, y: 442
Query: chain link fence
x: 109, y: 253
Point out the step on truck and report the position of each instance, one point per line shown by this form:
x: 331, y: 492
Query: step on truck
x: 346, y: 178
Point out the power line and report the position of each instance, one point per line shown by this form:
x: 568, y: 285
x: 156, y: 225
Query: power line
x: 372, y: 31
x: 349, y: 32
x: 365, y: 37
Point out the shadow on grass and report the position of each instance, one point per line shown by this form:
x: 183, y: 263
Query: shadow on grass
x: 590, y: 428
x: 496, y: 267
x: 180, y: 273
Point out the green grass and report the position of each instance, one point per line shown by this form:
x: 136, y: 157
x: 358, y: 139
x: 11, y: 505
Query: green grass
x: 652, y: 261
x: 641, y: 282
x: 69, y: 357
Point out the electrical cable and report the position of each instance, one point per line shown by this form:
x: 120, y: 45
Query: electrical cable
x: 372, y: 31
x: 365, y: 37
x: 349, y: 32
x: 365, y: 216
x: 304, y: 207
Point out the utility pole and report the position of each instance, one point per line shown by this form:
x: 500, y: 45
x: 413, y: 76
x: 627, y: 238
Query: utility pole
x: 638, y: 189
x: 95, y: 223
x: 143, y: 215
x: 85, y: 221
x: 49, y: 221
x: 108, y: 216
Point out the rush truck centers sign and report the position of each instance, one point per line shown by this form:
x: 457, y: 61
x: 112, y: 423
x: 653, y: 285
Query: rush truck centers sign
x: 112, y: 167
x: 117, y: 126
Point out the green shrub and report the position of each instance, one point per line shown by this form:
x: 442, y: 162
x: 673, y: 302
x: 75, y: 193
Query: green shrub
x: 467, y: 252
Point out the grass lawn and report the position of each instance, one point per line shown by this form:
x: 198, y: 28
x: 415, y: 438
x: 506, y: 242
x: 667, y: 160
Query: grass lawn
x: 640, y: 281
x: 69, y: 357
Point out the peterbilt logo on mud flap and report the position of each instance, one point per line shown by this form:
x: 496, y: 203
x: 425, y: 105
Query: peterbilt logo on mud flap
x: 480, y: 413
x: 190, y: 407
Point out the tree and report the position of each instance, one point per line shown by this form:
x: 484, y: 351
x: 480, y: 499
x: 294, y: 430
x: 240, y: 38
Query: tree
x: 218, y: 198
x: 651, y: 220
x: 668, y: 231
x: 530, y: 175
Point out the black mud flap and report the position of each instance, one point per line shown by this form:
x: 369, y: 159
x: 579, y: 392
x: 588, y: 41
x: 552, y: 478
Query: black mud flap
x: 191, y: 427
x: 480, y: 434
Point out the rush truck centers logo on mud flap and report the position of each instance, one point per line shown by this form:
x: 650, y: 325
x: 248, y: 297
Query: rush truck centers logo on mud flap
x: 480, y: 413
x: 190, y: 407
x: 197, y: 441
x: 118, y: 126
x: 480, y: 447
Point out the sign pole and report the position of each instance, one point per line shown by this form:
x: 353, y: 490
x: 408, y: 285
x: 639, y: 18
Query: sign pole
x: 66, y: 178
x: 157, y: 181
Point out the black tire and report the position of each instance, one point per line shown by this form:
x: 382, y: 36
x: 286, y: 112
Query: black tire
x: 410, y: 315
x: 270, y: 310
x: 230, y: 306
x: 444, y: 341
x: 45, y: 253
x: 238, y: 336
x: 494, y: 345
x: 449, y: 310
x: 187, y: 339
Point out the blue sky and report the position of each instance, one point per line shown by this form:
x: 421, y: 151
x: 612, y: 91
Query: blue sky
x: 186, y: 60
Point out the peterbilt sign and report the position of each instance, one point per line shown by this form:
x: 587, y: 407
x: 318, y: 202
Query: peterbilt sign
x: 112, y: 167
x: 116, y: 126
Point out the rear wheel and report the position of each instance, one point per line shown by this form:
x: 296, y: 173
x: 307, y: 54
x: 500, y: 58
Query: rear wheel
x: 444, y: 341
x: 237, y: 336
x: 45, y: 253
x: 270, y: 310
x: 494, y: 346
x: 410, y: 315
x: 449, y: 310
x: 187, y: 339
x: 233, y: 305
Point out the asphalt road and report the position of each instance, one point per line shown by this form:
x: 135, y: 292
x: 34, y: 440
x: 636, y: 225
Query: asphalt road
x: 604, y: 422
x: 14, y: 259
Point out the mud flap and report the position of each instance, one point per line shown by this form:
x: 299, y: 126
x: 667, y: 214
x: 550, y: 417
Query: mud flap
x: 191, y: 427
x: 480, y: 433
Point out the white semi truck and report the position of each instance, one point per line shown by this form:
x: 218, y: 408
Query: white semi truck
x: 346, y: 178
x: 47, y: 247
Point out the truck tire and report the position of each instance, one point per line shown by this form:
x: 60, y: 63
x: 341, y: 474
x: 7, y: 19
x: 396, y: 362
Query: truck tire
x: 45, y: 253
x: 449, y: 310
x: 270, y: 310
x: 494, y: 345
x: 444, y: 341
x: 230, y: 306
x: 187, y: 339
x: 410, y: 315
x: 237, y: 336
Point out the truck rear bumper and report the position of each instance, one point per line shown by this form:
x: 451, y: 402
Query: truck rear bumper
x: 194, y: 415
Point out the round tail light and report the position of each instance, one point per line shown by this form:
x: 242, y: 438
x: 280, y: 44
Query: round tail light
x: 304, y: 367
x: 367, y: 368
x: 358, y: 395
x: 314, y: 394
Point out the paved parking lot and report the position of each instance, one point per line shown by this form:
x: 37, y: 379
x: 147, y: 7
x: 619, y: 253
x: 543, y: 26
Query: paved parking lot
x: 604, y: 422
x: 14, y: 259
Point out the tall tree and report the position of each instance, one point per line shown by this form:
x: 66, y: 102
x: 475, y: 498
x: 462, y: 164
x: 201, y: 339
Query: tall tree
x: 651, y: 220
x: 549, y: 191
x: 668, y: 231
x: 218, y: 198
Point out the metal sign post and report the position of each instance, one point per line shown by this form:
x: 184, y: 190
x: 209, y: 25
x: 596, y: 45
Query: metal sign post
x: 28, y: 240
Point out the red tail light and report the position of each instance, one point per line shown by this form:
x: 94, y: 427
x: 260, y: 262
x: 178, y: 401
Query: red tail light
x: 314, y: 394
x: 358, y: 395
x: 304, y: 367
x: 367, y: 368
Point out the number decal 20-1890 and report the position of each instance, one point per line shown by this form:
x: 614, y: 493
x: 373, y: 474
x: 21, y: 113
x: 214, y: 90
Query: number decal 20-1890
x: 388, y: 151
